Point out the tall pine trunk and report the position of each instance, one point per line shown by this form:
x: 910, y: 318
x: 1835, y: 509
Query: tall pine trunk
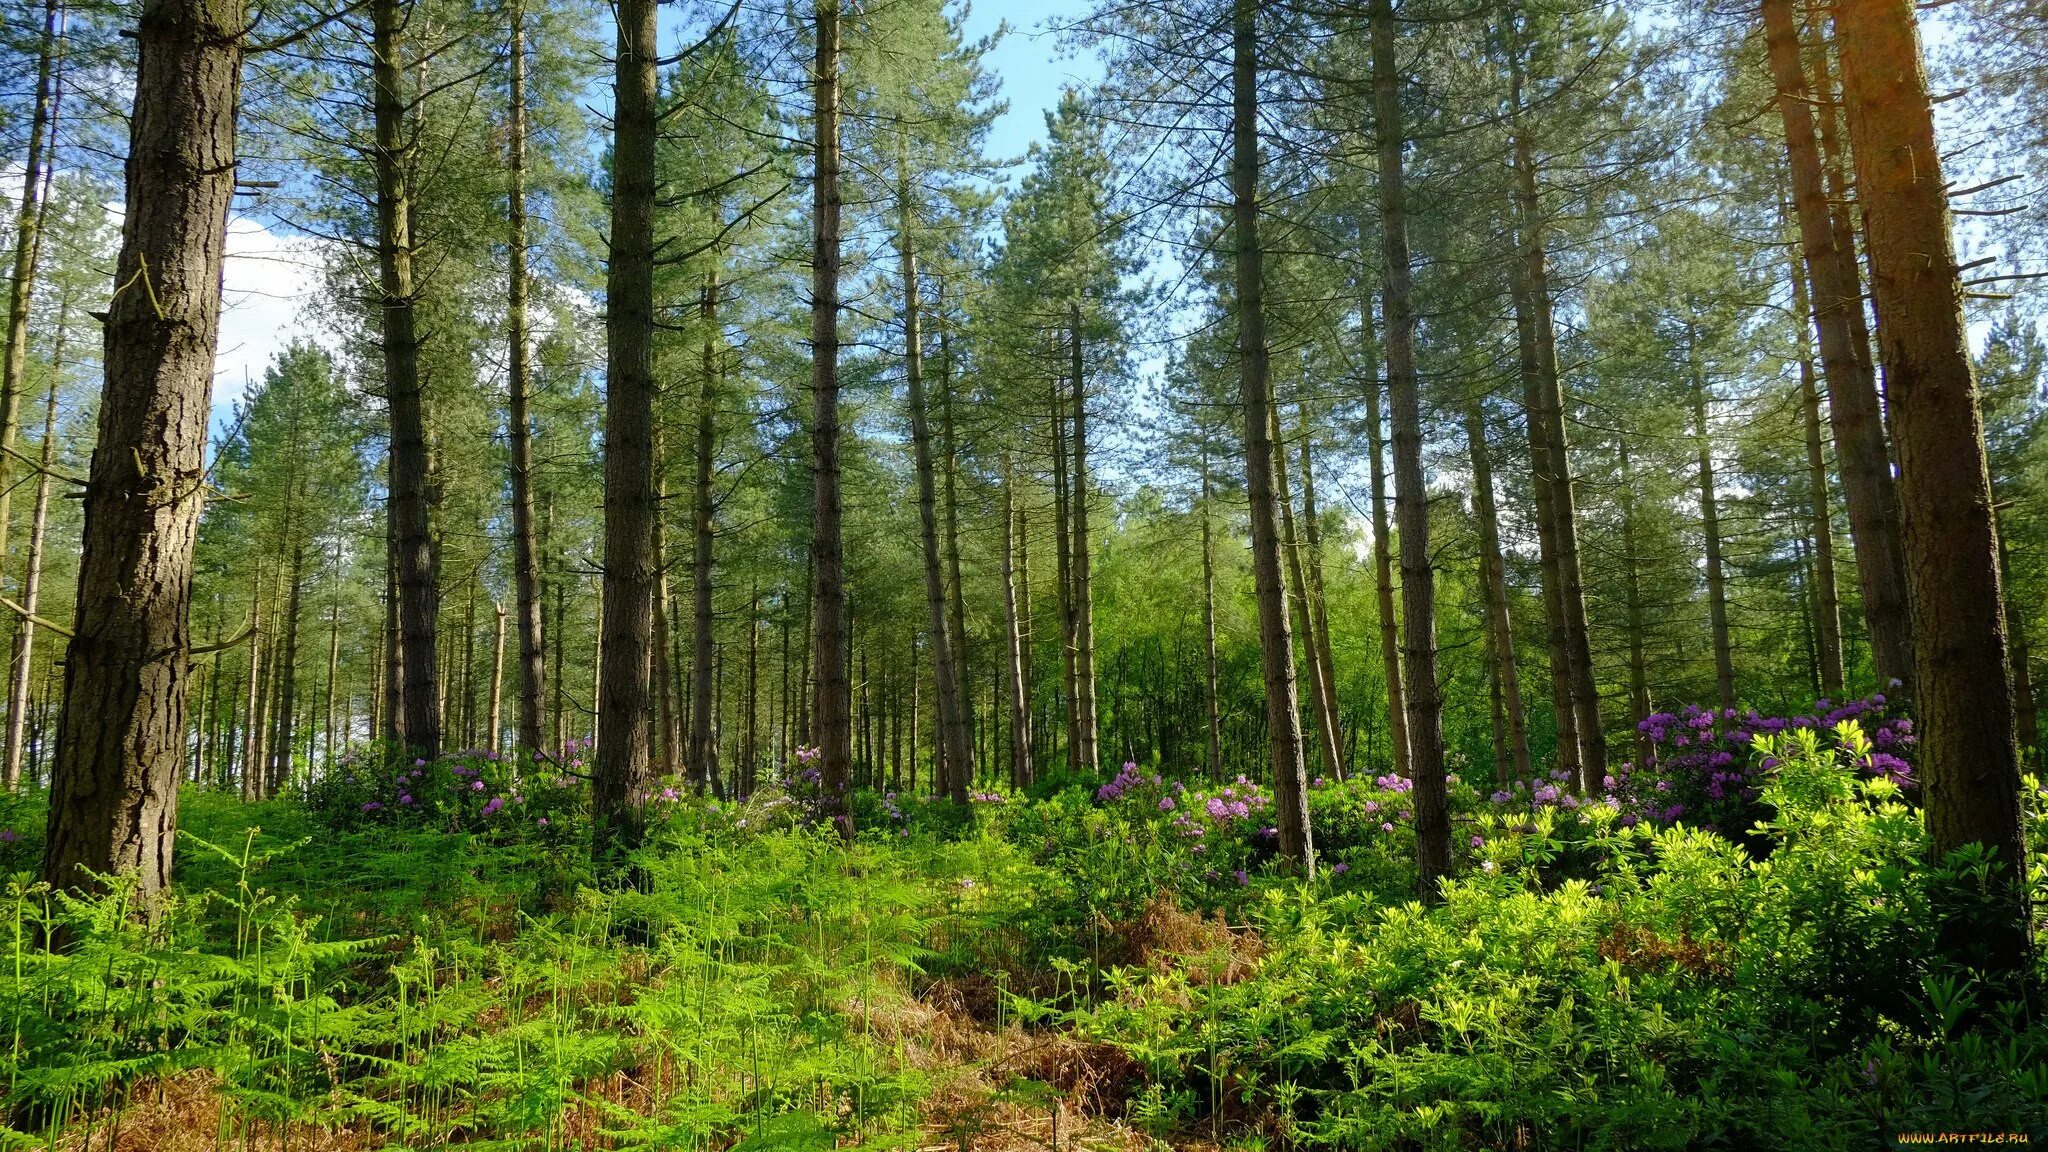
x: 1494, y: 579
x: 416, y: 555
x: 831, y: 720
x: 1383, y: 569
x: 1632, y: 604
x: 526, y: 568
x: 1318, y: 603
x: 1276, y: 644
x: 1827, y: 608
x: 1083, y: 604
x: 1969, y: 765
x: 1019, y: 682
x: 957, y: 759
x: 121, y: 736
x: 1710, y: 530
x: 28, y: 247
x: 23, y: 664
x: 626, y: 633
x: 1211, y: 705
x: 1853, y: 406
x: 1411, y: 497
x: 701, y: 588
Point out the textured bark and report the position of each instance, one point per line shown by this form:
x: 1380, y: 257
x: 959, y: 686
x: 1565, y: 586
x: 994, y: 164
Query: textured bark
x: 1632, y: 591
x: 496, y: 740
x: 252, y: 778
x: 1083, y: 603
x: 416, y: 554
x: 1853, y: 406
x: 1827, y: 607
x: 1209, y: 696
x: 333, y: 668
x: 832, y: 721
x: 2027, y: 717
x: 1017, y: 679
x: 286, y: 735
x: 1318, y: 603
x: 956, y: 588
x: 1969, y: 765
x: 32, y: 577
x: 625, y: 664
x: 701, y: 588
x: 1276, y: 644
x: 1710, y: 531
x: 1557, y: 641
x: 1383, y: 572
x: 526, y: 590
x: 1411, y: 497
x: 121, y: 737
x: 28, y: 247
x: 1304, y: 606
x: 958, y: 758
x: 1494, y: 581
x: 1064, y: 570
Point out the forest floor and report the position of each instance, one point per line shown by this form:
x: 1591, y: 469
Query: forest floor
x: 418, y: 959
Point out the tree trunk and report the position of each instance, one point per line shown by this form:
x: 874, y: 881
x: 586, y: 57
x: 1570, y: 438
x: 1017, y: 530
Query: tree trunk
x: 625, y: 666
x: 1021, y: 768
x: 1064, y: 539
x: 416, y: 559
x: 958, y: 756
x: 1632, y: 590
x: 1411, y: 498
x: 288, y: 680
x: 1326, y: 715
x: 2027, y: 718
x: 1827, y: 609
x: 1211, y: 704
x: 1494, y: 578
x: 1710, y: 530
x: 957, y: 603
x: 1276, y: 643
x: 1383, y: 570
x: 114, y: 785
x: 1318, y: 603
x: 1970, y: 765
x: 828, y: 592
x: 32, y: 579
x: 701, y: 555
x: 1083, y: 605
x: 1853, y: 406
x: 519, y: 419
x: 495, y: 743
x: 333, y: 669
x: 28, y: 247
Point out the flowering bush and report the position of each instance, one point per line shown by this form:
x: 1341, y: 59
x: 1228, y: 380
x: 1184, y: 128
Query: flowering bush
x: 470, y: 791
x: 1704, y: 765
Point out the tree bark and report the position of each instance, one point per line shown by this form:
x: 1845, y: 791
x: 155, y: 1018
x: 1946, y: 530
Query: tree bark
x: 519, y: 418
x: 1710, y: 531
x: 1021, y: 768
x: 1064, y: 575
x: 1276, y: 644
x: 1211, y: 704
x: 496, y: 741
x: 1411, y: 497
x: 114, y: 785
x: 832, y: 721
x: 1970, y: 764
x: 1318, y: 603
x: 1298, y: 586
x: 28, y: 247
x: 1383, y: 569
x: 1084, y: 590
x: 2027, y: 718
x: 701, y: 588
x: 958, y: 757
x: 625, y: 667
x: 1827, y: 597
x: 32, y: 578
x: 1494, y: 578
x: 288, y: 679
x: 416, y: 555
x: 1853, y: 406
x: 1632, y: 591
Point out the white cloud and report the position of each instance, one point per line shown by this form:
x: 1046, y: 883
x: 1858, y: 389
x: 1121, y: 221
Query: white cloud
x: 269, y: 284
